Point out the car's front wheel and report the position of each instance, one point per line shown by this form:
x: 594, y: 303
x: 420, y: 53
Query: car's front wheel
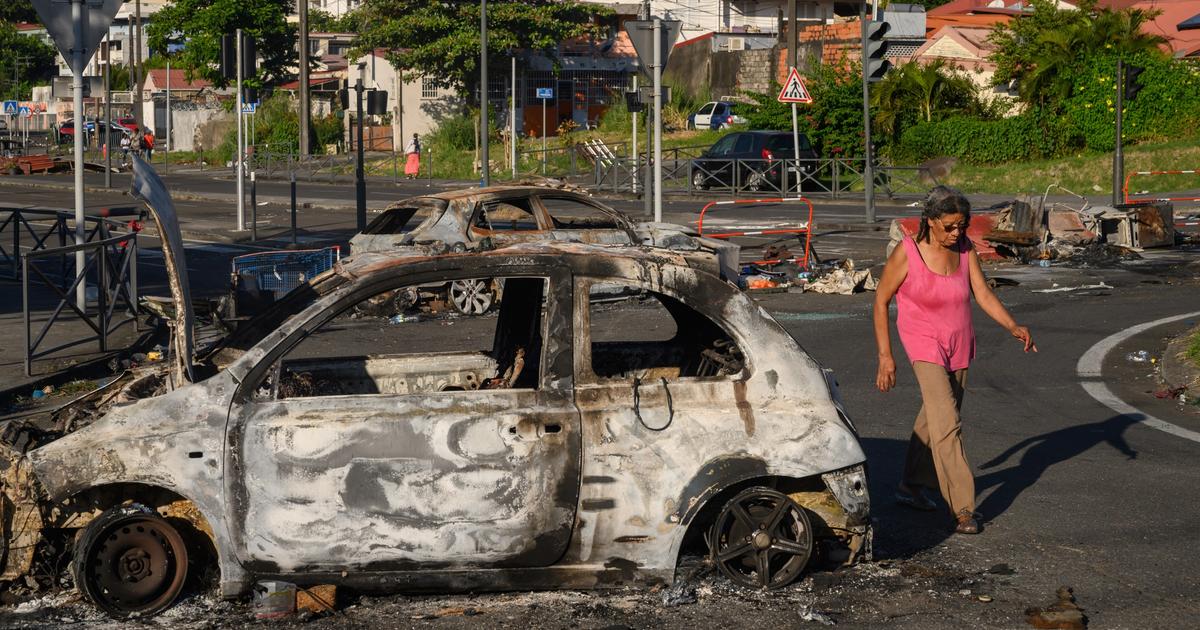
x: 699, y: 181
x: 130, y: 562
x: 762, y: 539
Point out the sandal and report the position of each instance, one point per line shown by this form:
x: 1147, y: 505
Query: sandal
x: 966, y: 523
x: 916, y: 501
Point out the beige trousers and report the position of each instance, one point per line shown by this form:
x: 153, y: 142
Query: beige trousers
x: 935, y: 450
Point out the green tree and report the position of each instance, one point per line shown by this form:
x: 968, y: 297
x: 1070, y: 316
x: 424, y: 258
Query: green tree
x: 322, y: 22
x: 1044, y: 50
x: 17, y: 11
x: 26, y: 61
x: 920, y: 92
x: 199, y: 24
x: 440, y: 38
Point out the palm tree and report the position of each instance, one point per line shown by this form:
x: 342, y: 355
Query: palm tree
x: 934, y: 88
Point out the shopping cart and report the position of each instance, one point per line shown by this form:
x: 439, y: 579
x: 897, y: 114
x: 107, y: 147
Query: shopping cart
x: 261, y: 278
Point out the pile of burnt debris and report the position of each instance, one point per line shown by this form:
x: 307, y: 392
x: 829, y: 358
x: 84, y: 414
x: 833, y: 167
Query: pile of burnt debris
x: 1037, y: 230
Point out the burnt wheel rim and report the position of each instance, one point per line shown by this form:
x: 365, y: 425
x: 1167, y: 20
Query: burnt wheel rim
x: 138, y: 565
x: 762, y: 539
x: 471, y: 297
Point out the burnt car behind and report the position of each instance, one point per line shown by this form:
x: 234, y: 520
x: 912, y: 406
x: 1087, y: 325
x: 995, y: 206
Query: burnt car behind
x: 571, y: 441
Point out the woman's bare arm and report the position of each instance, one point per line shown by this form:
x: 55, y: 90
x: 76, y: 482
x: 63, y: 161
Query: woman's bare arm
x: 894, y: 273
x: 987, y: 300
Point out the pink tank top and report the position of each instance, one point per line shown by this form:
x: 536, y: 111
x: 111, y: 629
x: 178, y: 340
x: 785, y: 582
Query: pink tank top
x: 933, y: 312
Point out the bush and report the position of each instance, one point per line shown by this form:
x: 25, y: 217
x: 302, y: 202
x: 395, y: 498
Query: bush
x: 833, y: 122
x: 1030, y: 135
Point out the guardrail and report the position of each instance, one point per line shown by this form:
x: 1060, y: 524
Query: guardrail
x: 835, y: 177
x: 110, y: 266
x: 33, y: 228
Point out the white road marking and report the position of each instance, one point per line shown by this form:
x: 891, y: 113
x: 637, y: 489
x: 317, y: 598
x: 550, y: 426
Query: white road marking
x: 1091, y: 364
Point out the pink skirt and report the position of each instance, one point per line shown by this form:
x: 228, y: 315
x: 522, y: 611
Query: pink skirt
x: 412, y: 165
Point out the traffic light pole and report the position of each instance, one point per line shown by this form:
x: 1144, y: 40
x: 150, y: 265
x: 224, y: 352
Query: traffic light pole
x: 360, y: 182
x: 77, y: 16
x: 1119, y: 154
x: 868, y: 167
x: 241, y: 139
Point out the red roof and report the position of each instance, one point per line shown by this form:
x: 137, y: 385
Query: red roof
x: 157, y: 78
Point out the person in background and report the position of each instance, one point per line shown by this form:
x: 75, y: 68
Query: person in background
x: 148, y: 144
x: 933, y: 278
x: 124, y: 148
x: 412, y: 159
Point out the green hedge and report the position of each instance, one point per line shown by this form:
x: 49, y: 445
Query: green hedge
x: 1031, y: 135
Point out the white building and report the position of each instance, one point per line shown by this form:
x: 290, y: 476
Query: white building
x: 700, y: 17
x: 416, y: 105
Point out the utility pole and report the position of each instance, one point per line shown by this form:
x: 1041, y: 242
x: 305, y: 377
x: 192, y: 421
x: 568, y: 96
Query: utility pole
x: 167, y: 150
x: 1119, y: 154
x: 77, y: 89
x: 241, y: 139
x: 305, y: 108
x: 658, y: 52
x: 485, y: 178
x: 135, y: 70
x: 360, y: 182
x: 512, y: 116
x: 648, y: 180
x: 633, y: 151
x: 108, y: 109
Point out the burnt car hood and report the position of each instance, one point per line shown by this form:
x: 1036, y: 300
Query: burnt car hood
x: 148, y: 187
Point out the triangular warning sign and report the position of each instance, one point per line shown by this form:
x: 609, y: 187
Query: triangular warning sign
x: 794, y: 90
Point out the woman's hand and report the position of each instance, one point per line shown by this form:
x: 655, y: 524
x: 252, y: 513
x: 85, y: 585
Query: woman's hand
x: 1022, y: 334
x: 885, y: 376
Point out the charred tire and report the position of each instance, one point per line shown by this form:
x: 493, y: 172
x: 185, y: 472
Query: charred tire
x: 130, y: 562
x: 761, y: 539
x: 471, y: 297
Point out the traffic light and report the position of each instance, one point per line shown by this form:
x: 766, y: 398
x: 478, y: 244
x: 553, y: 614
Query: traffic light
x: 377, y: 102
x: 228, y: 56
x: 874, y: 50
x: 1132, y: 85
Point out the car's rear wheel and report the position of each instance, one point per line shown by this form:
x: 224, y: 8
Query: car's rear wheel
x: 762, y: 539
x: 699, y: 181
x: 130, y: 562
x: 471, y: 297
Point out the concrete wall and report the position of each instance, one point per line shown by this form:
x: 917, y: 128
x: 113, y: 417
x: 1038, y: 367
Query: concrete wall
x: 696, y: 66
x: 187, y: 127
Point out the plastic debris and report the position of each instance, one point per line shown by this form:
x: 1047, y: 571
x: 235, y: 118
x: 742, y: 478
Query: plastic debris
x: 843, y: 280
x: 401, y: 318
x: 37, y: 393
x: 1141, y: 356
x: 1082, y: 287
x: 808, y: 614
x: 985, y: 598
x: 154, y: 356
x: 273, y: 598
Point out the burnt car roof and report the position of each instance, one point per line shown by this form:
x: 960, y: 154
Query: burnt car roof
x: 497, y: 191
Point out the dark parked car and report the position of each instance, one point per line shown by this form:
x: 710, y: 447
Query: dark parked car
x: 751, y: 160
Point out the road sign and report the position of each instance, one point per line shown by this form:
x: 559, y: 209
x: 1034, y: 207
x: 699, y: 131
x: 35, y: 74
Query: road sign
x: 641, y: 33
x: 794, y: 90
x: 97, y: 17
x: 249, y: 108
x: 25, y: 112
x: 10, y: 108
x: 546, y: 93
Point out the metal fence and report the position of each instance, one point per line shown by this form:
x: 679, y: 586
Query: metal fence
x: 834, y: 177
x: 110, y: 267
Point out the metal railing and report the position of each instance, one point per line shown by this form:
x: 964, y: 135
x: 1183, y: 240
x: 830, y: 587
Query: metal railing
x: 34, y: 228
x: 835, y: 177
x: 111, y: 263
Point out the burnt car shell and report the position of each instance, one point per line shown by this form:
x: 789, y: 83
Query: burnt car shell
x: 613, y: 505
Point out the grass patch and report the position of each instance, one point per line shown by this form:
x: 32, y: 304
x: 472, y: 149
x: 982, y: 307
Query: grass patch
x: 1086, y: 173
x: 1193, y: 349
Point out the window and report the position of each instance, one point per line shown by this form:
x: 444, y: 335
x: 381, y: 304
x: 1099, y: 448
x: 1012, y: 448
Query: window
x: 745, y: 144
x: 397, y: 343
x: 429, y: 88
x: 644, y: 335
x: 509, y: 215
x: 567, y: 214
x: 707, y: 109
x: 400, y: 219
x: 725, y: 145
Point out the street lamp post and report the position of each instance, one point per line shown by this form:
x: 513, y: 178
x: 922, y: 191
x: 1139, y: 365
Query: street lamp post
x: 485, y: 178
x: 360, y: 182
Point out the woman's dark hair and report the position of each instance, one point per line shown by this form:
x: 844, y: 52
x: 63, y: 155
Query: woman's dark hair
x: 943, y: 200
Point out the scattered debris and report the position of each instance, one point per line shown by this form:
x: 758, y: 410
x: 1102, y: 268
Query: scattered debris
x: 1001, y: 569
x: 1064, y: 614
x: 316, y: 599
x: 843, y: 280
x: 807, y: 613
x: 1002, y: 282
x: 1170, y: 392
x: 1082, y: 287
x: 1141, y: 356
x: 987, y: 599
x: 273, y: 598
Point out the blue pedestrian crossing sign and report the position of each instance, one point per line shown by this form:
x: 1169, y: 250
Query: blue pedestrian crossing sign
x: 25, y: 111
x: 249, y: 108
x: 10, y: 108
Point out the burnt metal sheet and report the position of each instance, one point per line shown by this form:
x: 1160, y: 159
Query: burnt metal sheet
x: 150, y: 189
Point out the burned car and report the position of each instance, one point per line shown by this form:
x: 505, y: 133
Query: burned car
x: 485, y: 218
x: 568, y: 442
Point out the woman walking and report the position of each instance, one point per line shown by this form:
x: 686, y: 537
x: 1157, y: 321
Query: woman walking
x: 933, y: 279
x: 412, y: 163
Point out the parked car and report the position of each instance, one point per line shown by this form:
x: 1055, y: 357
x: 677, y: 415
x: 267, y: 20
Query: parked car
x: 562, y: 444
x: 485, y: 218
x: 128, y: 122
x: 752, y: 160
x: 66, y: 130
x: 715, y: 115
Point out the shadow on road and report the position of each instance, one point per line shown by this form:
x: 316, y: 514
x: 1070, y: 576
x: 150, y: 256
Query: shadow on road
x: 1042, y: 452
x: 900, y: 532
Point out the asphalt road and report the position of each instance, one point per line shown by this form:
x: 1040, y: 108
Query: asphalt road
x: 1070, y: 491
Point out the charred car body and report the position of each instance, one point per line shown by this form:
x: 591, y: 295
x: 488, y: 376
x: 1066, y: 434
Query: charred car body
x: 559, y: 451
